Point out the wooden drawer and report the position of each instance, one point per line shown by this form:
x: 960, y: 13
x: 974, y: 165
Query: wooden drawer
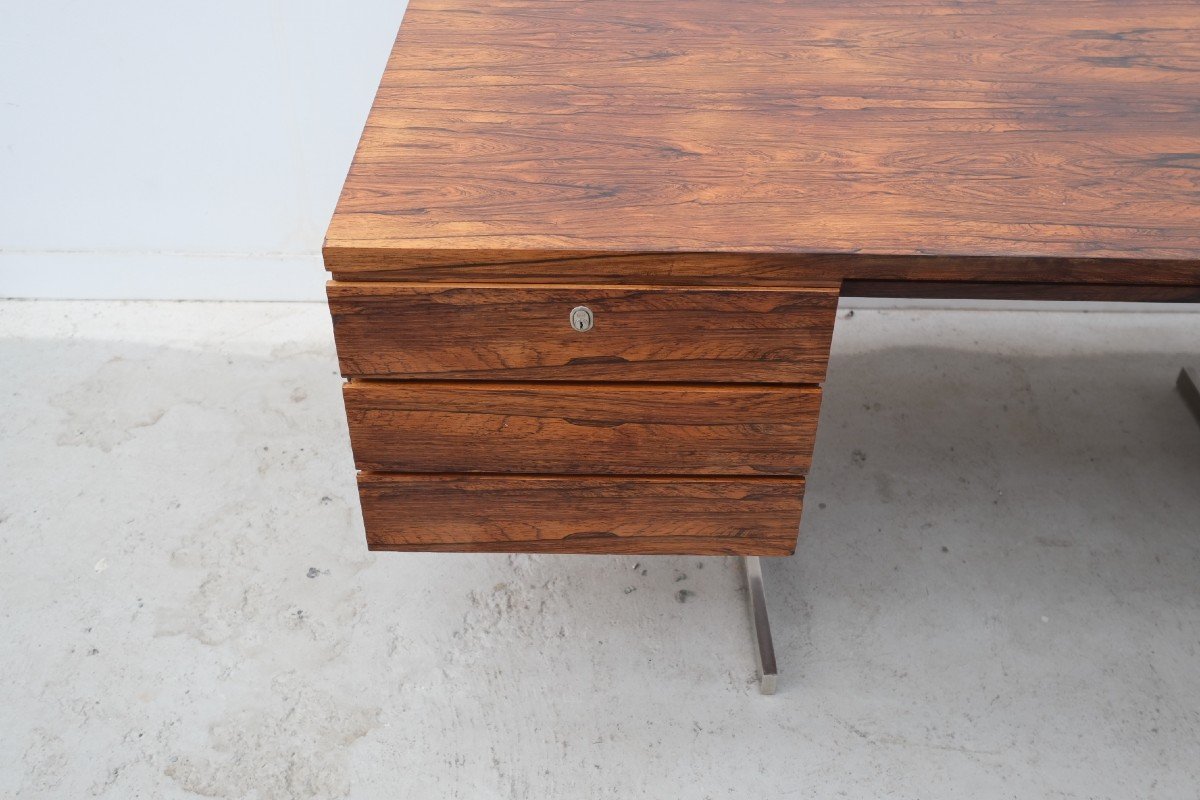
x: 747, y: 335
x: 604, y: 428
x: 537, y: 514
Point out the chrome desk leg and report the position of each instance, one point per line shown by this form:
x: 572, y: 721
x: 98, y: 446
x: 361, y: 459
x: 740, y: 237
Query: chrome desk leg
x: 1189, y: 386
x: 767, y: 671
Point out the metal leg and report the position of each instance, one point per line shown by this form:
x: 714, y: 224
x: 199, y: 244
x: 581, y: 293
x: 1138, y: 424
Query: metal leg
x: 767, y: 671
x: 1189, y: 386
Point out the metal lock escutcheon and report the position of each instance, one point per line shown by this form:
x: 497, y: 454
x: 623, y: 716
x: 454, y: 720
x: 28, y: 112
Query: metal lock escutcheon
x: 582, y: 318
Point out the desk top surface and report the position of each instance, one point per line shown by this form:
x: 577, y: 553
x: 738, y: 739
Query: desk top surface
x: 861, y: 130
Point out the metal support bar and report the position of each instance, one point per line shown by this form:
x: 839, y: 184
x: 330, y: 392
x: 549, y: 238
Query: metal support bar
x: 1189, y: 386
x: 767, y: 671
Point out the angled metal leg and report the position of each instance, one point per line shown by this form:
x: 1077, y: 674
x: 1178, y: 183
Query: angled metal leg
x: 767, y: 671
x: 1189, y: 386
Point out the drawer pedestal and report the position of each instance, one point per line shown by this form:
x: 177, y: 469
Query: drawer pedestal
x: 678, y: 420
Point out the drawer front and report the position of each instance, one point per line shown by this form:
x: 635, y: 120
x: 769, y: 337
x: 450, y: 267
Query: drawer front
x: 528, y: 514
x: 660, y: 334
x: 608, y: 429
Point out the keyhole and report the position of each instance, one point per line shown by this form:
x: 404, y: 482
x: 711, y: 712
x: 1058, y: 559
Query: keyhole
x: 581, y: 318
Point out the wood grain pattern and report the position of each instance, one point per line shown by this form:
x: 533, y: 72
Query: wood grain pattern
x: 646, y: 334
x: 971, y: 290
x: 582, y: 429
x: 465, y: 513
x: 752, y: 269
x: 636, y: 141
x: 705, y: 175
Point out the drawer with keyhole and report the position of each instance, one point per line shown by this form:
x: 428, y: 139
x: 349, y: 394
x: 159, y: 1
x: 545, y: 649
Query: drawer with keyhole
x: 570, y: 333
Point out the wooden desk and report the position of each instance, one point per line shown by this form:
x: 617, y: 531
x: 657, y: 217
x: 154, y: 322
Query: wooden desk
x: 701, y: 179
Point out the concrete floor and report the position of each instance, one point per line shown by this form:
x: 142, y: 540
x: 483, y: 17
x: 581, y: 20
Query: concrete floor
x: 996, y: 592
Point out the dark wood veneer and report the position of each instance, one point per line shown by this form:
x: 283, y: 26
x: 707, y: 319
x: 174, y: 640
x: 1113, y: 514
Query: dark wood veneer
x: 552, y: 514
x: 640, y: 333
x: 707, y: 175
x: 582, y: 428
x: 705, y: 140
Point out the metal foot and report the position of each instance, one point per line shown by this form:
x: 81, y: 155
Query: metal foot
x: 1189, y: 386
x: 767, y: 671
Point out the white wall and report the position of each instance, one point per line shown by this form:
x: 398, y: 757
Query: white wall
x: 158, y: 149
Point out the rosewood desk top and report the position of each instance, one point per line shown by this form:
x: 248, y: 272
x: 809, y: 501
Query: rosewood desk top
x: 751, y: 142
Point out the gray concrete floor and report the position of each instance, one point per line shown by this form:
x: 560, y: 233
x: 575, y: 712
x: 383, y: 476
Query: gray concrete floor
x: 996, y: 592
